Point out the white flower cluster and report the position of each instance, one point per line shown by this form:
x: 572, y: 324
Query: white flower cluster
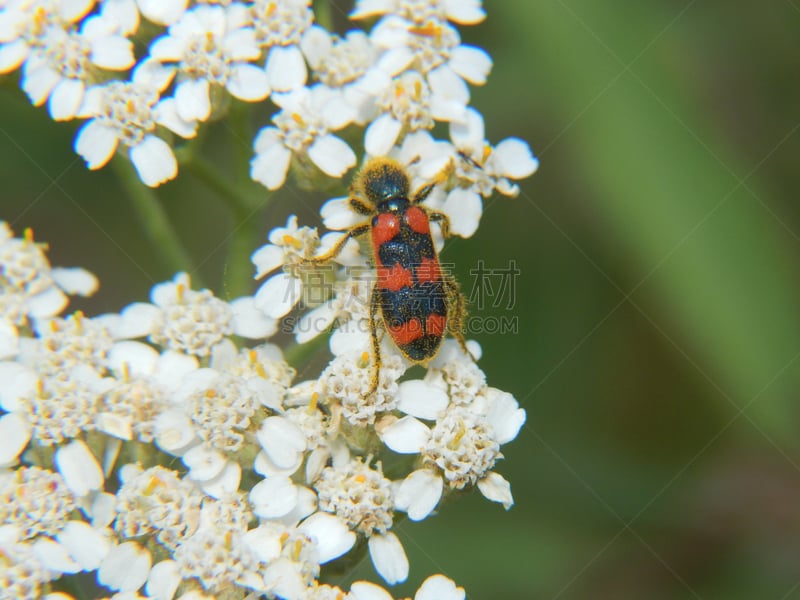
x: 273, y: 480
x: 152, y: 446
x: 141, y: 72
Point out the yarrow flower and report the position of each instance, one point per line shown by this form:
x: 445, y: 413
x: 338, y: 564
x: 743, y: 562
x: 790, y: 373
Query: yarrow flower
x: 303, y: 131
x: 211, y: 45
x: 280, y: 26
x: 129, y: 112
x: 59, y: 68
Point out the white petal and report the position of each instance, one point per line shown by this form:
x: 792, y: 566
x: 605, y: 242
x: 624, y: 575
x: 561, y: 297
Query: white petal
x: 192, y: 100
x: 270, y: 166
x: 54, y: 556
x: 283, y: 579
x: 39, y: 82
x: 93, y: 102
x: 163, y: 581
x: 420, y: 399
x: 391, y: 32
x: 124, y: 13
x: 249, y: 321
x: 352, y: 336
x: 316, y: 45
x: 278, y: 295
x: 472, y: 63
x: 86, y: 545
x: 66, y: 99
x: 447, y: 110
x: 419, y: 494
x: 75, y: 280
x: 239, y: 43
x: 451, y: 350
x: 9, y: 340
x: 162, y: 12
x: 264, y: 542
x: 469, y: 135
x: 136, y: 358
x: 166, y: 113
x: 305, y: 506
x: 439, y: 587
x: 73, y: 10
x: 266, y: 259
x: 381, y: 135
x: 204, y: 463
x: 389, y: 557
x: 336, y: 112
x: 332, y: 155
x: 513, y: 158
x: 15, y: 432
x: 266, y: 138
x: 264, y: 466
x: 172, y: 367
x: 152, y: 73
x: 495, y: 488
x: 174, y: 432
x: 115, y: 425
x: 96, y: 143
x: 370, y: 8
x: 366, y: 590
x: 166, y: 293
x: 154, y: 161
x: 47, y: 304
x: 79, y: 468
x: 12, y: 55
x: 226, y: 483
x: 464, y: 207
x: 167, y: 48
x: 273, y: 497
x: 248, y: 82
x: 464, y: 12
x: 286, y: 68
x: 18, y: 381
x: 337, y: 214
x: 113, y: 52
x: 504, y: 415
x: 317, y: 460
x: 395, y: 61
x: 97, y: 26
x: 126, y: 568
x: 406, y: 436
x: 282, y: 440
x: 333, y: 537
x: 102, y: 511
x: 138, y: 320
x: 314, y: 322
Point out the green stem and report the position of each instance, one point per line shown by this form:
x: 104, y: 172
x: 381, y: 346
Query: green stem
x: 210, y: 175
x: 246, y: 233
x: 297, y: 355
x: 238, y: 268
x: 154, y: 219
x: 323, y: 13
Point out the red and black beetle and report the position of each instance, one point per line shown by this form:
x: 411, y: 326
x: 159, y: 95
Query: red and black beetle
x: 418, y: 302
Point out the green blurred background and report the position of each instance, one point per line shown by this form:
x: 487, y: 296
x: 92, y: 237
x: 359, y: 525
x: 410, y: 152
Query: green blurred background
x: 658, y: 352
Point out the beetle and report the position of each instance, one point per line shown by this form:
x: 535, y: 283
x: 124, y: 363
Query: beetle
x: 416, y: 300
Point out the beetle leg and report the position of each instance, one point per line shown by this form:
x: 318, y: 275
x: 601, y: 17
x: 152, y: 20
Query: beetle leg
x: 376, y: 345
x: 360, y: 207
x: 442, y: 219
x: 423, y: 193
x: 353, y: 232
x: 457, y: 310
